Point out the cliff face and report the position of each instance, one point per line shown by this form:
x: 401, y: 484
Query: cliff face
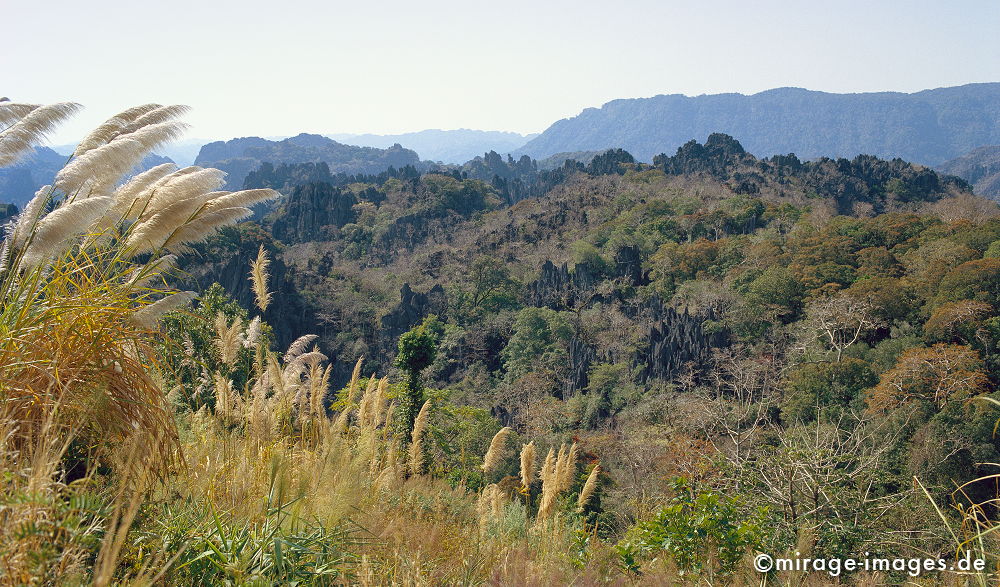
x: 311, y: 210
x: 229, y: 265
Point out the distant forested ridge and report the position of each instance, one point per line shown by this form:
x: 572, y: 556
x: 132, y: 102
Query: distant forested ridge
x: 239, y: 157
x: 980, y: 167
x: 927, y: 127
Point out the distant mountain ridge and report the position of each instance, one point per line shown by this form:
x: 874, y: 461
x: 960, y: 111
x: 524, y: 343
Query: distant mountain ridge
x: 980, y: 167
x: 238, y: 157
x: 445, y: 146
x: 927, y: 127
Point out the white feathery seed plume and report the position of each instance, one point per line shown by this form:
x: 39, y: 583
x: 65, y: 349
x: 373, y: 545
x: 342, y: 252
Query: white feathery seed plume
x: 567, y: 468
x: 417, y: 458
x: 497, y: 450
x: 242, y: 198
x: 140, y: 207
x: 17, y: 139
x: 11, y: 112
x: 111, y: 128
x: 300, y: 345
x: 259, y: 277
x: 227, y: 338
x: 158, y: 116
x: 101, y: 135
x: 126, y: 195
x: 528, y: 456
x: 100, y: 168
x: 4, y: 255
x: 195, y: 181
x: 153, y: 233
x: 62, y: 224
x: 252, y: 334
x: 309, y: 359
x: 27, y: 219
x: 378, y: 404
x: 204, y: 225
x: 588, y: 488
x: 148, y: 316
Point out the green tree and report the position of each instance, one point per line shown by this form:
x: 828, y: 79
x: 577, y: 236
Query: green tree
x: 826, y: 388
x: 539, y: 343
x: 417, y: 350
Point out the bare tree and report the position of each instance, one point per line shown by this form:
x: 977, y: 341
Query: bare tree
x: 840, y: 320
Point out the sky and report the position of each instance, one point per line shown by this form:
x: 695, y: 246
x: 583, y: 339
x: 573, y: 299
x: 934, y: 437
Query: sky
x: 265, y: 68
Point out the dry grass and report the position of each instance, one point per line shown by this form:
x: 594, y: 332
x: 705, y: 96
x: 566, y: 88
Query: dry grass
x: 77, y: 392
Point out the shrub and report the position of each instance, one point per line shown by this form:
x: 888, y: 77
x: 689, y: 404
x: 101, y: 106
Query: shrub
x: 694, y: 527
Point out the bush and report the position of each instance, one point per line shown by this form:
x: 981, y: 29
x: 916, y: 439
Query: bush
x: 702, y: 532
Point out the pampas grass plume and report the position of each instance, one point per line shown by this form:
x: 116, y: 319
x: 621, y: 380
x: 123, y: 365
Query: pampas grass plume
x: 259, y: 277
x: 300, y: 345
x: 528, y: 457
x: 588, y: 488
x: 417, y: 457
x: 495, y: 454
x: 62, y: 224
x: 148, y: 316
x: 30, y: 127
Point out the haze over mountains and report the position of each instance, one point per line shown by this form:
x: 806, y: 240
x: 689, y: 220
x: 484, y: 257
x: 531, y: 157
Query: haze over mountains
x: 445, y: 146
x: 928, y: 127
x: 937, y: 128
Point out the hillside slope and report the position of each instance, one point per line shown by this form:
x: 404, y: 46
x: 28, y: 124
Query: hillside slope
x: 980, y: 167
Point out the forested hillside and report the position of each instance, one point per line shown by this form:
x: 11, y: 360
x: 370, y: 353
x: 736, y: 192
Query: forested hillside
x: 734, y: 321
x: 927, y: 127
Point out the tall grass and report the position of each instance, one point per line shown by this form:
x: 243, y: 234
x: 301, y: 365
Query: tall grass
x: 80, y: 290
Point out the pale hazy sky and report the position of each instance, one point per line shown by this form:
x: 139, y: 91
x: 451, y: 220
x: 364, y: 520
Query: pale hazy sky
x: 252, y: 67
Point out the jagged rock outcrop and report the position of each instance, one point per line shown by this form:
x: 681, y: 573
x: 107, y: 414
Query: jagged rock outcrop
x: 674, y: 340
x: 560, y: 288
x: 628, y: 266
x: 412, y: 308
x: 290, y: 317
x: 581, y: 355
x: 311, y: 210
